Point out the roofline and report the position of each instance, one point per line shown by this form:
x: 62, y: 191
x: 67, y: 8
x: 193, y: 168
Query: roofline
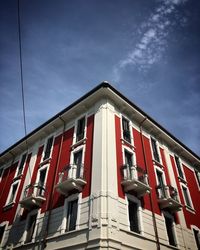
x: 101, y: 85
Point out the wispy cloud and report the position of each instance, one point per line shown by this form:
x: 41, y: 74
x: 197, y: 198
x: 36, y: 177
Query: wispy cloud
x: 153, y: 38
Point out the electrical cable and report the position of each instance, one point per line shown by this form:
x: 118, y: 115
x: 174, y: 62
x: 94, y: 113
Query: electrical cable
x: 21, y: 76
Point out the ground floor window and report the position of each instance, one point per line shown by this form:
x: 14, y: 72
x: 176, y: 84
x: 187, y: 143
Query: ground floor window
x: 133, y: 216
x: 30, y: 227
x: 197, y: 237
x: 169, y: 223
x: 72, y: 209
x: 2, y: 230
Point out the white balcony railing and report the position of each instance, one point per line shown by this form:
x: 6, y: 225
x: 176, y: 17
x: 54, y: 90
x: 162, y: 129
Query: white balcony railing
x: 71, y: 179
x: 34, y: 196
x: 168, y: 198
x: 135, y: 179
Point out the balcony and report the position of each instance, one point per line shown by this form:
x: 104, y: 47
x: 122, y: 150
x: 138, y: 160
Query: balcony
x: 34, y: 196
x: 135, y: 179
x: 168, y: 198
x: 71, y: 179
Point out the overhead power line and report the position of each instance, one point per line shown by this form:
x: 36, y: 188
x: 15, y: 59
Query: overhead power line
x: 21, y: 67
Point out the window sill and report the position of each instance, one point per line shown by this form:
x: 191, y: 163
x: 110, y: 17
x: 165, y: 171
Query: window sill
x: 8, y: 206
x: 182, y: 180
x: 158, y: 164
x: 190, y: 209
x: 127, y: 143
x: 45, y: 162
x: 78, y: 143
x: 17, y: 177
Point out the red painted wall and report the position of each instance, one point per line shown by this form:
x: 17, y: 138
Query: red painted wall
x: 88, y: 156
x: 140, y: 161
x: 58, y: 199
x: 190, y: 217
x: 6, y: 183
x: 9, y: 214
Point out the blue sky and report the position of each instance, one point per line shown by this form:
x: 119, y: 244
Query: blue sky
x: 148, y: 50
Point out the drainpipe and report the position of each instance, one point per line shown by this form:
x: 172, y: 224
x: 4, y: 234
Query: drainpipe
x: 150, y: 194
x: 50, y: 200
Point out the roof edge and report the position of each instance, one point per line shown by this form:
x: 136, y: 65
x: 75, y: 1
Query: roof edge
x: 103, y: 84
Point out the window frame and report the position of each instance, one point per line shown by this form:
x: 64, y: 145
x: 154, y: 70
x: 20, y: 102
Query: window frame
x: 168, y: 215
x: 73, y: 197
x: 134, y: 199
x: 129, y: 130
x: 42, y: 168
x: 2, y: 169
x: 76, y: 129
x: 31, y: 213
x: 3, y: 224
x: 180, y: 168
x: 44, y: 159
x: 8, y: 201
x: 193, y: 227
x: 157, y: 149
x: 73, y: 152
x: 197, y: 177
x: 20, y: 165
x: 189, y: 207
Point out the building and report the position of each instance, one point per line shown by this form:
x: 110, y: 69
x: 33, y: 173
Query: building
x: 101, y: 174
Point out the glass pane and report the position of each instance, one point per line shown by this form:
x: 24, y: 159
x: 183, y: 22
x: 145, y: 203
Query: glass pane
x: 20, y: 169
x: 78, y: 162
x: 187, y: 200
x: 197, y: 237
x: 170, y: 231
x: 13, y: 192
x: 155, y: 150
x: 31, y: 227
x: 133, y: 216
x: 72, y: 215
x: 80, y: 129
x: 161, y: 185
x: 126, y: 130
x: 48, y: 148
x: 178, y: 165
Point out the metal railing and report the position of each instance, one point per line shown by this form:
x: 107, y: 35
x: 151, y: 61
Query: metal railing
x: 134, y: 173
x: 34, y: 190
x: 71, y: 171
x: 166, y: 192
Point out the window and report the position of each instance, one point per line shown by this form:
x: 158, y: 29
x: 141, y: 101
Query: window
x: 80, y: 129
x: 13, y: 193
x: 128, y: 159
x: 2, y: 230
x: 170, y: 230
x: 197, y: 237
x: 133, y: 216
x: 78, y: 163
x: 161, y: 185
x: 47, y: 152
x: 155, y: 150
x: 197, y: 173
x: 41, y: 182
x: 186, y: 196
x: 21, y: 165
x: 72, y: 215
x: 126, y: 130
x: 1, y: 173
x: 179, y: 168
x: 30, y: 228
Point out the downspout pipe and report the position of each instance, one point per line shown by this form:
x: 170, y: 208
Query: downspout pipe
x: 50, y: 200
x: 150, y: 194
